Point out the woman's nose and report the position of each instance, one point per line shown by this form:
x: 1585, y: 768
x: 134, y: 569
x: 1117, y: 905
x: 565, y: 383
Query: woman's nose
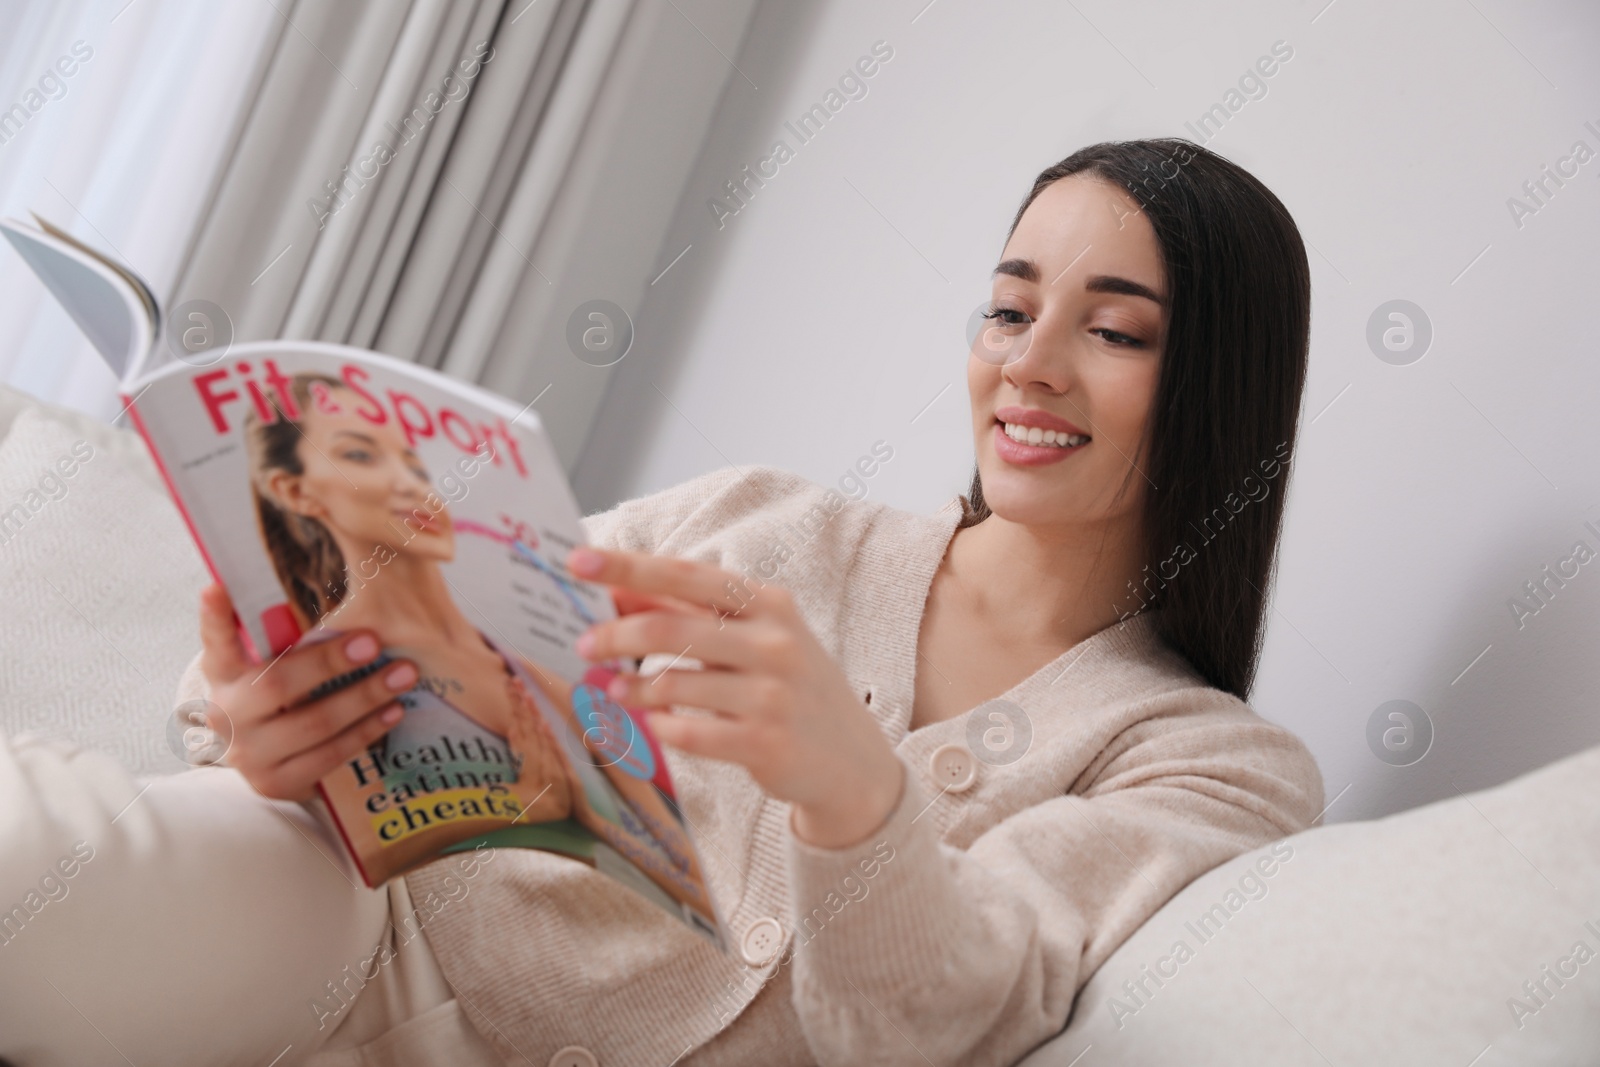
x: 408, y: 483
x: 1045, y: 359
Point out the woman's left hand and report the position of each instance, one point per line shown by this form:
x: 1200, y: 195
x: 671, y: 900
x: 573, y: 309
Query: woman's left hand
x: 783, y: 708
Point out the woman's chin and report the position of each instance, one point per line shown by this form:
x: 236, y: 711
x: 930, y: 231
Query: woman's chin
x: 1023, y: 504
x: 1020, y: 514
x: 438, y: 546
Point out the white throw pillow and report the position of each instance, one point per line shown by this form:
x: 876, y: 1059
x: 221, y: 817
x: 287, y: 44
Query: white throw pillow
x: 124, y: 446
x: 99, y: 580
x: 1463, y: 932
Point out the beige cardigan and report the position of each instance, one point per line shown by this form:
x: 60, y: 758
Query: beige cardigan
x: 961, y: 931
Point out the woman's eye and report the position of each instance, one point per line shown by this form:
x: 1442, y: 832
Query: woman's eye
x: 357, y: 455
x: 1007, y: 316
x: 1121, y: 340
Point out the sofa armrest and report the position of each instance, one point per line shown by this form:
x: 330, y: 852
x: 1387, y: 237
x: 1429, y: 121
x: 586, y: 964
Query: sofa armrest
x: 1465, y: 931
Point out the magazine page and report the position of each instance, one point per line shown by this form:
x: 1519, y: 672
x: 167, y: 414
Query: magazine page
x: 333, y: 489
x: 112, y: 307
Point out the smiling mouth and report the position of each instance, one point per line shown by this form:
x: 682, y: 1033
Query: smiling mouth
x: 1033, y: 435
x: 419, y: 520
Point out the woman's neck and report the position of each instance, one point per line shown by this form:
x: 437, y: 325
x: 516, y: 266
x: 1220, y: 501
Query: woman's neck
x: 407, y: 599
x: 1056, y: 585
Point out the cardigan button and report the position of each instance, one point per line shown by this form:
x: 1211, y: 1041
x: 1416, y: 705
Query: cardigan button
x: 952, y: 768
x: 761, y: 941
x: 574, y: 1056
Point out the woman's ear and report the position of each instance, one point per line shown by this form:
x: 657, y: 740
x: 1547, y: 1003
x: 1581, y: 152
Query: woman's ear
x: 288, y: 491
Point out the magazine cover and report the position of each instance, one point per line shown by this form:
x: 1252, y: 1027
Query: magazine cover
x: 331, y: 489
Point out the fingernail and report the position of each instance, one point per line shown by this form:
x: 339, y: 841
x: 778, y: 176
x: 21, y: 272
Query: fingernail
x: 585, y: 645
x: 391, y: 715
x: 402, y: 677
x: 362, y: 648
x: 617, y: 688
x: 585, y: 561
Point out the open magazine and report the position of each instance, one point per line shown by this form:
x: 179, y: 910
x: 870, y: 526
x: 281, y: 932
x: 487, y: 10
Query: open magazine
x: 331, y: 488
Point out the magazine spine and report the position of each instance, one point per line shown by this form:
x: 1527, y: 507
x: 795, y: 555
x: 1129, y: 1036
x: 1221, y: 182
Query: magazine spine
x: 132, y: 408
x: 349, y: 846
x: 183, y: 512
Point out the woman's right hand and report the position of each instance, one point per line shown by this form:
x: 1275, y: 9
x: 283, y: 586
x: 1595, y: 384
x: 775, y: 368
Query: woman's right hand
x: 280, y: 742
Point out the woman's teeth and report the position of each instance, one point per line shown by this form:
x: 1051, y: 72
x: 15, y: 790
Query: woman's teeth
x: 1033, y: 435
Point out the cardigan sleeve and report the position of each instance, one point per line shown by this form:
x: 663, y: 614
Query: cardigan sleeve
x: 645, y: 523
x: 934, y: 955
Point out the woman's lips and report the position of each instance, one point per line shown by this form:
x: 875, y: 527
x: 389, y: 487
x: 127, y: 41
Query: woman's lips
x: 1038, y: 417
x: 420, y: 520
x: 1022, y: 455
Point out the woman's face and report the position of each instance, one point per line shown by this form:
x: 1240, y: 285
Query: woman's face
x: 1075, y: 348
x: 364, y: 483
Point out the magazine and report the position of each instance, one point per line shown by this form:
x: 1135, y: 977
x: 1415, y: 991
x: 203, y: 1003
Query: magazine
x: 331, y: 488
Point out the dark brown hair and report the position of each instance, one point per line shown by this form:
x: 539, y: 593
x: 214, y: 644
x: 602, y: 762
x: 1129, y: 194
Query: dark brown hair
x: 305, y: 556
x: 1227, y: 396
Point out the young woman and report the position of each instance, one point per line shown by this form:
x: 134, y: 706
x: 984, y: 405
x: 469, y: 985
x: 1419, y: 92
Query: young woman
x: 940, y: 767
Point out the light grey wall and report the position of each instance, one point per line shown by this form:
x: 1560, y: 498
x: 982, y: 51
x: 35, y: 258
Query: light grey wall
x: 829, y: 313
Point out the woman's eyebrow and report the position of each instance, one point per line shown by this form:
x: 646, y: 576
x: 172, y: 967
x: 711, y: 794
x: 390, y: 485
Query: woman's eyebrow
x: 1028, y: 271
x: 357, y: 434
x: 1110, y: 283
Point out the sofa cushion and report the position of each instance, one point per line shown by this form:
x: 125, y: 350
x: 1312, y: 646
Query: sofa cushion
x: 100, y: 580
x: 124, y: 446
x: 13, y: 402
x: 1463, y: 932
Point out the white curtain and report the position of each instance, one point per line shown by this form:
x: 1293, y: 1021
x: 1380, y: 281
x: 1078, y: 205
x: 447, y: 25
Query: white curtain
x: 441, y: 180
x: 122, y: 151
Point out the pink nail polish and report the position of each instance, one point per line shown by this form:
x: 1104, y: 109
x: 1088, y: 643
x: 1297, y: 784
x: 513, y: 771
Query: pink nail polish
x: 584, y: 561
x: 585, y: 644
x: 401, y: 677
x: 362, y: 648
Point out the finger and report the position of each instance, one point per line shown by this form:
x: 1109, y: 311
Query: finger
x: 702, y: 736
x: 685, y: 579
x: 288, y: 680
x: 224, y: 657
x: 304, y: 729
x: 295, y: 778
x: 734, y: 694
x: 628, y: 602
x: 705, y: 637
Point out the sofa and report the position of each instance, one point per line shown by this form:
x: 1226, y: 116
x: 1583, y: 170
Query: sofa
x: 1462, y: 933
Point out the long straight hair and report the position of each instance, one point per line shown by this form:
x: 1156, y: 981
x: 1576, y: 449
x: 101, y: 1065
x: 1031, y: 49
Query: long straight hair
x: 1222, y: 426
x: 304, y: 554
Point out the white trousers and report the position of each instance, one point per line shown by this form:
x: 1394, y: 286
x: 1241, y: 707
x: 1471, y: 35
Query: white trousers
x: 188, y: 920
